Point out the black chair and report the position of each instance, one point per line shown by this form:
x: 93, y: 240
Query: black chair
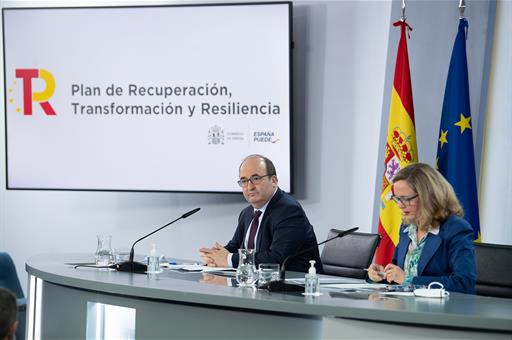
x: 9, y: 279
x: 493, y: 270
x: 349, y: 255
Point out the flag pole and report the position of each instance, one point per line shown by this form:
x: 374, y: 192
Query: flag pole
x: 403, y: 17
x: 462, y: 7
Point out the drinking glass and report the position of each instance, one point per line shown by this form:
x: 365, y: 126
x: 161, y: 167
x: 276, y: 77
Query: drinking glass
x: 246, y: 273
x: 121, y: 254
x: 268, y: 272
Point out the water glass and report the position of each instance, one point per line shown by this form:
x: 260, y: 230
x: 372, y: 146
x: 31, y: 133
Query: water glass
x: 103, y: 255
x: 268, y: 272
x: 246, y: 273
x: 121, y: 255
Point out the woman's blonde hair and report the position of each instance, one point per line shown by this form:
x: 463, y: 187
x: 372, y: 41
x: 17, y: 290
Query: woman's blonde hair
x: 436, y: 196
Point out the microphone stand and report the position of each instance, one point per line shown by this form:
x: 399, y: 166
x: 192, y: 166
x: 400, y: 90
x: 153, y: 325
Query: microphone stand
x: 281, y: 285
x: 132, y: 266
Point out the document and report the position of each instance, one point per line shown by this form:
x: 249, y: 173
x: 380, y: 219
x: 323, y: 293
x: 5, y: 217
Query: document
x: 191, y: 267
x: 329, y: 280
x: 379, y: 288
x: 358, y: 286
x: 81, y: 263
x: 197, y: 267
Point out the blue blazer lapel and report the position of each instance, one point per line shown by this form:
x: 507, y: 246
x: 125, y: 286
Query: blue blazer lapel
x: 402, y: 249
x: 432, y: 244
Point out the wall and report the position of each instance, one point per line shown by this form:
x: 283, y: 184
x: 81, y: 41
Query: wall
x: 496, y: 178
x: 343, y: 68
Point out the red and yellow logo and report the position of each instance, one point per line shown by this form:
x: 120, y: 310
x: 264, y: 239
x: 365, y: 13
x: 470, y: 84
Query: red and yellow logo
x: 29, y: 96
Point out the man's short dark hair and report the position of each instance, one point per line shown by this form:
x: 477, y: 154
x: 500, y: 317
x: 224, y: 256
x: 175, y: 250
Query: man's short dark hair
x: 269, y: 166
x: 8, y: 311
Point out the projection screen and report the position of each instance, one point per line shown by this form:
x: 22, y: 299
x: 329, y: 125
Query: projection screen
x: 162, y: 98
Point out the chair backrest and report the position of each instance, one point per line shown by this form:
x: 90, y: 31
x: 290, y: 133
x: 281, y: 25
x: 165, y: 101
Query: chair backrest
x: 9, y: 279
x: 349, y: 255
x: 8, y: 276
x: 493, y: 269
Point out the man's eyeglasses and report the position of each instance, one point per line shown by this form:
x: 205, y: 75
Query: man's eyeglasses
x: 253, y: 179
x: 405, y: 200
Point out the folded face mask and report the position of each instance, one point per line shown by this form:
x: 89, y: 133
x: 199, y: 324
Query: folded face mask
x: 430, y: 292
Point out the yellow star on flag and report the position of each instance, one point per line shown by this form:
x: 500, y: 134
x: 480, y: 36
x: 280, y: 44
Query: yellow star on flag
x: 463, y: 123
x: 443, y: 138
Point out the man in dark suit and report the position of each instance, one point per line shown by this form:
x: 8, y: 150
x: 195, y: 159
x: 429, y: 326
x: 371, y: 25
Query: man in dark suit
x: 274, y: 224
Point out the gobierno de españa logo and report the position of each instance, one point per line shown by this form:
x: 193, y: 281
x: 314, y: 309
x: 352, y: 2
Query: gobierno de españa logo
x: 29, y: 95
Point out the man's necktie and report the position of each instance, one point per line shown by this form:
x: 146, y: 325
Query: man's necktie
x: 254, y: 228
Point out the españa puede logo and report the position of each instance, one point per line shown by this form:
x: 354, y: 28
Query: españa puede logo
x: 29, y: 96
x: 265, y: 137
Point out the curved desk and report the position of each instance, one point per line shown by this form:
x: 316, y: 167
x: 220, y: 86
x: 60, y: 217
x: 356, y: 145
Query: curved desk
x: 64, y: 303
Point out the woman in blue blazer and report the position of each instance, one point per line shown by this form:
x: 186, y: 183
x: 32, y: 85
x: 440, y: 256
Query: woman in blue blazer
x: 436, y: 243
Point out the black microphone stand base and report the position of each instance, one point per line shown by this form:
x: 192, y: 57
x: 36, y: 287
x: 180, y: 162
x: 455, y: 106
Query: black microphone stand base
x: 131, y: 267
x: 282, y: 286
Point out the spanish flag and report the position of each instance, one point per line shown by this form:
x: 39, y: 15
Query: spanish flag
x: 401, y: 148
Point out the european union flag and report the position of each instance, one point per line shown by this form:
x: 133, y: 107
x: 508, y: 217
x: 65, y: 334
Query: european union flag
x: 455, y: 156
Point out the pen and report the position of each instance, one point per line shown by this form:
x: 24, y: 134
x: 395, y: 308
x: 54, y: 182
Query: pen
x: 381, y: 274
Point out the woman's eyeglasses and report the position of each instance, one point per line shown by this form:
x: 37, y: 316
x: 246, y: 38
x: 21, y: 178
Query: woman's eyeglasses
x: 405, y: 200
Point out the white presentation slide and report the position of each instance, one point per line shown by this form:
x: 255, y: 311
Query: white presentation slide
x: 165, y: 98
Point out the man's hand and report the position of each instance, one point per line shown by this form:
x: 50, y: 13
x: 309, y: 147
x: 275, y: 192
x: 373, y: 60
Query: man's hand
x: 216, y: 256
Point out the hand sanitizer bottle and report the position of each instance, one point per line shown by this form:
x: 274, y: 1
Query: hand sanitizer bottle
x: 153, y: 261
x: 312, y: 281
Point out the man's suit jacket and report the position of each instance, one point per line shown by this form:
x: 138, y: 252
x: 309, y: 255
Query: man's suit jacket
x: 284, y: 231
x: 448, y: 257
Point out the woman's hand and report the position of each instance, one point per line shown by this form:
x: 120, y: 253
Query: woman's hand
x: 375, y: 272
x: 393, y: 273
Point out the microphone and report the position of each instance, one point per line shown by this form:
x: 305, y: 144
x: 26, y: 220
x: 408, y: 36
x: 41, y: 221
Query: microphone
x: 281, y: 285
x: 137, y: 267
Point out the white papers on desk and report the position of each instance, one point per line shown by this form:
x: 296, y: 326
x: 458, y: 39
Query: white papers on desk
x: 380, y: 288
x: 86, y: 264
x: 194, y: 267
x: 357, y: 286
x: 189, y: 267
x: 329, y: 280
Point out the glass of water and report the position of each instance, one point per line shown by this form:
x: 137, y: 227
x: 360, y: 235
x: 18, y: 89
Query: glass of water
x: 121, y: 254
x: 268, y: 272
x: 246, y: 273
